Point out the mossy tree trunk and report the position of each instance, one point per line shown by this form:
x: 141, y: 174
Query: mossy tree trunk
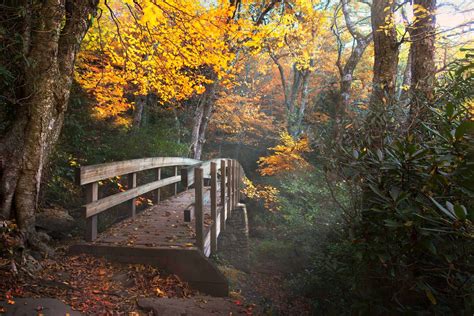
x: 52, y: 33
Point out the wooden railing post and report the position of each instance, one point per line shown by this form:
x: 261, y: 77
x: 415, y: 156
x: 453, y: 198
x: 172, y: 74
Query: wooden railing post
x: 198, y: 207
x: 234, y: 193
x: 158, y: 191
x: 92, y: 194
x: 176, y: 184
x: 223, y: 194
x: 132, y: 183
x: 239, y: 182
x: 229, y: 187
x: 214, y: 207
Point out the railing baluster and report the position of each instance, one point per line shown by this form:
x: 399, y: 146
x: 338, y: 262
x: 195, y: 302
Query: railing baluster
x: 176, y: 184
x: 158, y: 191
x: 92, y: 194
x: 234, y: 193
x: 198, y: 207
x: 239, y: 182
x: 223, y: 194
x: 132, y: 183
x: 229, y: 187
x: 214, y: 207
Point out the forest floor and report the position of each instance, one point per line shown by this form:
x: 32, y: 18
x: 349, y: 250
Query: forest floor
x: 264, y: 287
x: 95, y: 286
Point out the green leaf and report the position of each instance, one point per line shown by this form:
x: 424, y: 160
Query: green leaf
x: 392, y: 223
x: 449, y: 110
x: 379, y: 154
x: 443, y: 209
x: 376, y: 191
x: 394, y: 193
x: 431, y: 297
x: 428, y: 244
x: 460, y: 211
x: 463, y: 128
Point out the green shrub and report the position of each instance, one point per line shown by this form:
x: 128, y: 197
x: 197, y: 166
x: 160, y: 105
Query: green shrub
x: 410, y: 245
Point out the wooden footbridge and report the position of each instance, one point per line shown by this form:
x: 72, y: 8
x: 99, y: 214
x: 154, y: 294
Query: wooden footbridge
x: 177, y: 234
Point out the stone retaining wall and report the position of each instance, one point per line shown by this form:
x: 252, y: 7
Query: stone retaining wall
x: 233, y: 243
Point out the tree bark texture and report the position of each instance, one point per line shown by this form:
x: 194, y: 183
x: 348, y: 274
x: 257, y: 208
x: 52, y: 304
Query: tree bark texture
x: 423, y: 68
x: 346, y: 71
x: 385, y: 51
x: 202, y: 115
x: 55, y: 31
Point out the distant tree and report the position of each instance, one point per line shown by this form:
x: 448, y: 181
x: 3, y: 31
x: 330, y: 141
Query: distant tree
x: 346, y: 69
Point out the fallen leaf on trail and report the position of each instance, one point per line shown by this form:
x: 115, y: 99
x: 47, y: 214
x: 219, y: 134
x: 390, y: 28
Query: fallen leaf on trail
x: 159, y: 292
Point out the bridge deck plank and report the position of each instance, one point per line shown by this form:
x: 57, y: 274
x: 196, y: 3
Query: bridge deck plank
x: 159, y: 226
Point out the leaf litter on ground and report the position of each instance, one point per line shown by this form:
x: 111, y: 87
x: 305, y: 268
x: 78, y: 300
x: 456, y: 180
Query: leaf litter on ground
x: 93, y: 286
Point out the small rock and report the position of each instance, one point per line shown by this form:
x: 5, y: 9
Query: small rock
x: 32, y: 306
x: 57, y: 222
x: 44, y: 237
x: 31, y: 264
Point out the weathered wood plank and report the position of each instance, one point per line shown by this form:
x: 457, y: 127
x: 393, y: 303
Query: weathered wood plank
x: 158, y: 191
x: 132, y: 183
x: 198, y: 207
x: 176, y: 184
x: 229, y: 187
x: 92, y: 194
x: 189, y: 210
x: 223, y: 194
x: 187, y: 174
x: 213, y: 194
x: 101, y: 205
x: 89, y: 174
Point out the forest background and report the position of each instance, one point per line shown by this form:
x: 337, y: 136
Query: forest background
x: 352, y: 119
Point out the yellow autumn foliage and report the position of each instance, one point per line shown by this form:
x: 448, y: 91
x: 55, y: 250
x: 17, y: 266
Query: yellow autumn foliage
x: 172, y: 49
x: 287, y: 156
x: 265, y: 193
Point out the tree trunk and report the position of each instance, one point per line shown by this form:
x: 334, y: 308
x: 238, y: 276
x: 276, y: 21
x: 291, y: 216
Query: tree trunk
x: 57, y: 29
x: 346, y: 72
x: 201, y: 119
x: 304, y: 102
x: 208, y: 108
x: 386, y: 53
x: 294, y: 92
x: 140, y: 104
x: 404, y: 95
x: 423, y: 58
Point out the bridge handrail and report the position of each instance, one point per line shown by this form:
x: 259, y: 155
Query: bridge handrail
x: 89, y: 176
x: 94, y: 173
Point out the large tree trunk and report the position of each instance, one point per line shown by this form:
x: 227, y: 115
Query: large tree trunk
x: 423, y: 58
x: 57, y: 28
x: 386, y: 53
